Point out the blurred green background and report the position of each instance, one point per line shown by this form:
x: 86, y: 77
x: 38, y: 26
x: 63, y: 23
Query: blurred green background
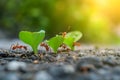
x: 98, y: 20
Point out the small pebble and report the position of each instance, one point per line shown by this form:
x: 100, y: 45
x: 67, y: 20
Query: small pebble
x: 15, y: 65
x: 11, y: 76
x: 35, y: 61
x: 61, y: 70
x: 85, y: 68
x: 43, y: 75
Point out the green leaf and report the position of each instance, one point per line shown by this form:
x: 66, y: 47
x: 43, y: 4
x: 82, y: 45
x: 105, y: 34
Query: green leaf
x: 55, y: 42
x: 32, y: 38
x: 69, y: 42
x: 74, y: 34
x: 72, y: 37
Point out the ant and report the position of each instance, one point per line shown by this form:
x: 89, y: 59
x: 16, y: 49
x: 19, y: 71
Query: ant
x: 64, y: 34
x: 64, y: 47
x: 17, y: 46
x: 43, y: 44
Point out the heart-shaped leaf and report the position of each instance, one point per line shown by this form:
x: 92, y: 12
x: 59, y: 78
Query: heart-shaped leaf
x: 74, y: 34
x: 69, y: 42
x: 72, y: 37
x: 55, y: 42
x: 32, y: 38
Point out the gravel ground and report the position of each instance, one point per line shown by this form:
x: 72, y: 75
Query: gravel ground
x: 83, y: 64
x: 86, y: 63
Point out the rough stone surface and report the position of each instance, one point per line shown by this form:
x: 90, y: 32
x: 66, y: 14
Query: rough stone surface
x: 83, y: 64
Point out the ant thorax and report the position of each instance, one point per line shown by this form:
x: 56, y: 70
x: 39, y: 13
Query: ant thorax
x: 63, y: 48
x: 44, y: 47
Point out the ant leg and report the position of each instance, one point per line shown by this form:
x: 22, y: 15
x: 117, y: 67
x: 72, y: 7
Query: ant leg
x: 11, y: 47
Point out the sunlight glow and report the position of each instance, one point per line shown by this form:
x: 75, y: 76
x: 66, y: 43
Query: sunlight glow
x: 110, y: 9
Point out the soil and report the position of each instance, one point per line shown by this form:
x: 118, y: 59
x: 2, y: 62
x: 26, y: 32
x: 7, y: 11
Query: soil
x: 83, y: 64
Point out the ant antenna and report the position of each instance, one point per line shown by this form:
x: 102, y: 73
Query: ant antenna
x: 68, y: 28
